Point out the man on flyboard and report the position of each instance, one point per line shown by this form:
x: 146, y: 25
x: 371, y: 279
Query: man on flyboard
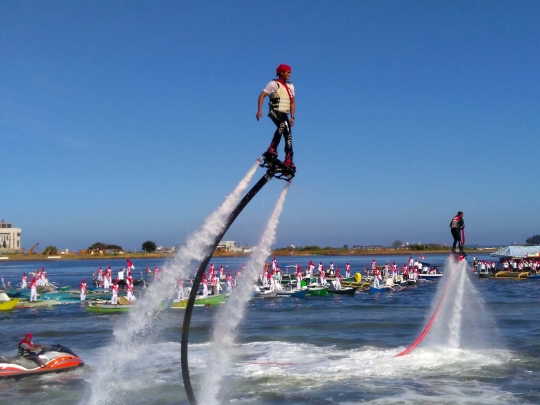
x: 457, y: 225
x: 282, y: 102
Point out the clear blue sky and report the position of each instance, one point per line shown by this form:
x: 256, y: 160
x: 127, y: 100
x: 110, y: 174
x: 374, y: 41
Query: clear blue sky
x: 129, y: 121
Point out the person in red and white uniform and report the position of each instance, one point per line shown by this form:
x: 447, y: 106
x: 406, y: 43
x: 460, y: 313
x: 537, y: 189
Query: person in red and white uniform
x: 106, y: 281
x: 100, y: 274
x: 44, y: 280
x: 311, y: 266
x: 322, y: 277
x: 33, y: 289
x: 320, y: 267
x: 83, y: 289
x: 205, y: 285
x: 347, y: 270
x: 394, y: 270
x: 130, y: 294
x: 214, y: 283
x: 221, y: 273
x: 373, y: 266
x: 229, y: 282
x: 265, y: 277
x: 236, y: 277
x: 337, y: 280
x: 180, y: 289
x: 282, y: 102
x: 24, y: 281
x: 299, y: 277
x: 157, y: 274
x: 274, y: 264
x: 272, y: 280
x: 114, y: 290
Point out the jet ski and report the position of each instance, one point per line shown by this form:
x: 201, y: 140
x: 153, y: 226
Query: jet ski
x: 56, y: 358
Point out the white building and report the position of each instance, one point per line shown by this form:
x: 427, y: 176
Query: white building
x: 229, y: 246
x: 10, y: 238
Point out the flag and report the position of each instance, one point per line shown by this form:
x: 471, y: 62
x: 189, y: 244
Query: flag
x: 130, y: 265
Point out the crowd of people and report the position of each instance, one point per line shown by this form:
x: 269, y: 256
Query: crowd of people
x: 515, y: 265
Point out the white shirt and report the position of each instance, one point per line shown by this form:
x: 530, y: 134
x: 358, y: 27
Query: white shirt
x: 272, y: 87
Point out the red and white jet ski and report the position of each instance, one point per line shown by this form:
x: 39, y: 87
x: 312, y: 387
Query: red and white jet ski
x: 56, y: 358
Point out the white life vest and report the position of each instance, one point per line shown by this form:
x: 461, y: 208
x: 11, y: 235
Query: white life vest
x: 279, y: 99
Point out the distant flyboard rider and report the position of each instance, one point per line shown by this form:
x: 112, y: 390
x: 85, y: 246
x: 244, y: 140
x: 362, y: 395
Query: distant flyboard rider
x: 456, y: 227
x: 282, y: 102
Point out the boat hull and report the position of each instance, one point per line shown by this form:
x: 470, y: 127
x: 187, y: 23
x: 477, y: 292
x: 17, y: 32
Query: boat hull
x: 317, y: 291
x: 293, y: 293
x: 37, y: 304
x: 523, y: 275
x: 107, y: 308
x: 8, y: 305
x: 344, y: 291
x: 376, y: 290
x: 210, y: 301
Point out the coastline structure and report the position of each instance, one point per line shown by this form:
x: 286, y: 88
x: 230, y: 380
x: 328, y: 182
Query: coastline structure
x: 10, y: 238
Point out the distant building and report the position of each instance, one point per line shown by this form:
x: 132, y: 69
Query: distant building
x: 229, y: 246
x: 367, y: 247
x: 10, y: 238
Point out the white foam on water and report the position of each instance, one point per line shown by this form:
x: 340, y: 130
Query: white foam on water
x: 232, y: 313
x: 450, y: 376
x: 125, y: 351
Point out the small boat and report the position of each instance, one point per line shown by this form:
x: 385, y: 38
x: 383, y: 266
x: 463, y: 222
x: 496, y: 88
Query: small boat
x: 201, y: 301
x: 520, y: 275
x: 430, y: 276
x: 317, y: 290
x: 6, y: 303
x: 57, y: 358
x: 343, y: 291
x: 484, y: 274
x: 380, y: 289
x: 265, y: 294
x: 293, y: 293
x: 100, y: 306
x: 37, y: 304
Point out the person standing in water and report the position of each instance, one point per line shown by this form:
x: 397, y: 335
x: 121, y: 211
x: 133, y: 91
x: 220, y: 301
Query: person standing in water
x: 282, y: 102
x: 456, y: 226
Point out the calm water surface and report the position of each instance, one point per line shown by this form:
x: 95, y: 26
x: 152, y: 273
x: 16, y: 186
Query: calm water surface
x: 318, y: 350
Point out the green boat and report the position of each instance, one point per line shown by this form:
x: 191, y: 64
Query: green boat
x: 317, y: 291
x: 108, y: 308
x: 201, y: 301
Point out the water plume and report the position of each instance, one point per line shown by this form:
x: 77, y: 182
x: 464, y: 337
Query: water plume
x: 463, y: 321
x: 231, y: 314
x: 123, y: 350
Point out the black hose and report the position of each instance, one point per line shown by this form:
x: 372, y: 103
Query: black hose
x: 198, y: 278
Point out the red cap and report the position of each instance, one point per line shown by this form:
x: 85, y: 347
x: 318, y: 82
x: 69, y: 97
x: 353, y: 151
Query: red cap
x: 28, y: 336
x: 283, y: 68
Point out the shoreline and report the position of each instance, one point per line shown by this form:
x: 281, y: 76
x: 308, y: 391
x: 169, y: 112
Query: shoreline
x: 6, y: 258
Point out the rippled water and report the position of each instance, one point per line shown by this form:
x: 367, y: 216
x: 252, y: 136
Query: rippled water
x: 319, y: 350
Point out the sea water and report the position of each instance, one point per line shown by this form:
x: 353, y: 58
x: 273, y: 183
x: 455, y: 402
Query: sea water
x: 318, y: 350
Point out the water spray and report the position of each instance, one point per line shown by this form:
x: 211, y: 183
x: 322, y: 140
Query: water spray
x: 141, y: 315
x: 235, y: 307
x: 275, y: 168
